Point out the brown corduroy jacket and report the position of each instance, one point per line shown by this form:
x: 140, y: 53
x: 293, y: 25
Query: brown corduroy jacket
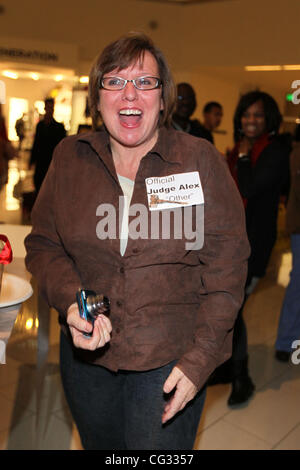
x: 167, y: 302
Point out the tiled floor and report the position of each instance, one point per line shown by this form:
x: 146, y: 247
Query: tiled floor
x: 34, y: 414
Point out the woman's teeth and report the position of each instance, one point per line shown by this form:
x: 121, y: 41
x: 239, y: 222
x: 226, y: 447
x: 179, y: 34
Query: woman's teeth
x: 129, y: 112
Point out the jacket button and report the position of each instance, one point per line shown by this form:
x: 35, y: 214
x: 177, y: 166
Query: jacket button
x: 122, y: 270
x: 118, y: 330
x: 119, y: 303
x: 135, y: 250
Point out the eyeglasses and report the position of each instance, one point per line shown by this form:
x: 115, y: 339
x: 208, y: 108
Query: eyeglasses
x: 141, y: 83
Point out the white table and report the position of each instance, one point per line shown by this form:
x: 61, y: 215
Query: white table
x: 8, y: 317
x: 16, y: 235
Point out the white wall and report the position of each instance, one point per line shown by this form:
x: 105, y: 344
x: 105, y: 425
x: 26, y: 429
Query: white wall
x: 232, y: 32
x: 225, y: 34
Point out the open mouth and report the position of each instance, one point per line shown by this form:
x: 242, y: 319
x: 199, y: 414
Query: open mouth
x: 250, y: 129
x: 130, y: 117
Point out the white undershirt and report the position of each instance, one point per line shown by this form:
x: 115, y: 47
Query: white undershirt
x: 127, y: 186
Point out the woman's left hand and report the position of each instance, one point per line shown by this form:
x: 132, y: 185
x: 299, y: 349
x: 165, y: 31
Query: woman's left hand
x: 185, y: 391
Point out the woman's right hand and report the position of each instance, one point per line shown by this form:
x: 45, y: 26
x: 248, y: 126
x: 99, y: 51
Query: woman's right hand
x: 78, y: 326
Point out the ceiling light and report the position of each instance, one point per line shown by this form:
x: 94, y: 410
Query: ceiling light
x: 58, y: 78
x: 271, y: 68
x: 263, y: 68
x: 9, y: 74
x: 84, y: 79
x: 291, y: 67
x: 34, y: 76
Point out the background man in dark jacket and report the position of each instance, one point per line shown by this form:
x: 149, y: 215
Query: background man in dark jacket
x: 48, y: 134
x: 186, y: 105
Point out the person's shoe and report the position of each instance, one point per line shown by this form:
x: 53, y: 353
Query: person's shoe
x: 282, y: 356
x: 242, y: 389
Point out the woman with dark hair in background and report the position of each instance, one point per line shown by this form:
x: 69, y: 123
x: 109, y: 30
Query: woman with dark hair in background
x: 259, y: 165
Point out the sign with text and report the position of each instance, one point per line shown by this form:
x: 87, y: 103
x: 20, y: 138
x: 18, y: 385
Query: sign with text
x: 168, y: 192
x: 38, y: 52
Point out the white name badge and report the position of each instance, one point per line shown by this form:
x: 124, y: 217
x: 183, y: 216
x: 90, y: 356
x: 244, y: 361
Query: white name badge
x: 168, y: 192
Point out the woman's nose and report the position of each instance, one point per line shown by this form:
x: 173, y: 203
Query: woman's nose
x: 251, y: 118
x: 129, y: 92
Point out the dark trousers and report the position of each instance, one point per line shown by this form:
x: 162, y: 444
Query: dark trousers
x: 289, y: 324
x: 240, y: 339
x: 123, y: 410
x: 237, y: 365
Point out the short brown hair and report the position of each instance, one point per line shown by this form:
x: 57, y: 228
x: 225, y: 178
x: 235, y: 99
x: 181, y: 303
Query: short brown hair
x: 120, y: 54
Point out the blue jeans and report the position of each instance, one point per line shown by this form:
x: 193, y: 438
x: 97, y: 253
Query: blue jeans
x: 289, y: 322
x: 123, y: 410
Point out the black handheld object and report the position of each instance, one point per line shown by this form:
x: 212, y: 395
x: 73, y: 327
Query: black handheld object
x: 90, y: 305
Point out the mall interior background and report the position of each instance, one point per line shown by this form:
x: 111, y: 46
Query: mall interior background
x: 48, y: 48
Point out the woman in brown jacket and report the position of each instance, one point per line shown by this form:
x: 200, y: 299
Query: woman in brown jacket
x: 139, y: 381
